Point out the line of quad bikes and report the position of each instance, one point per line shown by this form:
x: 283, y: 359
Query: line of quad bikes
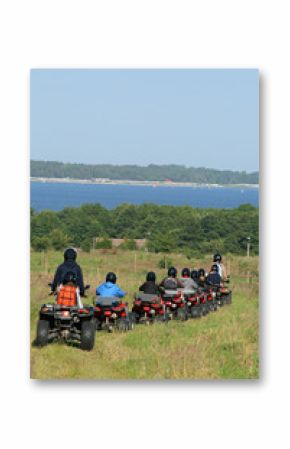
x: 79, y: 325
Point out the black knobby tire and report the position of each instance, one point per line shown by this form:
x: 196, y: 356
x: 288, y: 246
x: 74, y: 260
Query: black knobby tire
x: 132, y: 320
x: 195, y: 312
x: 123, y: 324
x: 42, y: 333
x: 229, y: 298
x: 204, y: 309
x: 88, y: 331
x: 181, y: 314
x: 98, y: 324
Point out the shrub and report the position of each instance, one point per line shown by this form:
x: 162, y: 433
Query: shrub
x: 40, y: 243
x: 129, y: 244
x: 165, y: 262
x: 104, y: 243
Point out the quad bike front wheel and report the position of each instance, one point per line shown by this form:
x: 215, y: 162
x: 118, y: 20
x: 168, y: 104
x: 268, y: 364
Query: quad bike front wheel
x: 42, y: 333
x: 88, y: 331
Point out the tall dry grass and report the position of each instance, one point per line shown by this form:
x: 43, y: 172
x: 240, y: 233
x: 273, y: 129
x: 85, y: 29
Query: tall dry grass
x: 222, y: 345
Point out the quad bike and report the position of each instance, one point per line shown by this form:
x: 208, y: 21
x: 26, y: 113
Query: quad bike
x: 192, y: 299
x: 223, y: 295
x: 211, y: 299
x: 175, y: 304
x: 112, y: 313
x: 220, y: 293
x: 149, y: 308
x: 66, y: 321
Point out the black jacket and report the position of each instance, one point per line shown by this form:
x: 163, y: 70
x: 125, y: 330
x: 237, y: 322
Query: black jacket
x: 68, y: 265
x: 170, y: 283
x: 151, y: 288
x: 213, y: 279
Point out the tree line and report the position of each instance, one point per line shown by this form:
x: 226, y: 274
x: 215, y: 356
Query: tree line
x: 176, y: 173
x: 166, y: 228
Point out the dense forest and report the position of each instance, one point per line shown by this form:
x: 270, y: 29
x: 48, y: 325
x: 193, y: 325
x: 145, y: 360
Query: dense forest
x: 166, y: 228
x: 176, y: 173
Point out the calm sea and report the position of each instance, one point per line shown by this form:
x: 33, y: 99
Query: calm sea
x: 57, y: 196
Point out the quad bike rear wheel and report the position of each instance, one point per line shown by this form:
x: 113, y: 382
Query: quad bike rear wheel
x: 88, y: 330
x: 195, y: 312
x: 182, y: 314
x: 123, y: 324
x: 42, y: 333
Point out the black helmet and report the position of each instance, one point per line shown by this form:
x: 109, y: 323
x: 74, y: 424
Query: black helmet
x: 215, y: 268
x: 172, y: 271
x: 217, y: 258
x: 70, y: 254
x: 185, y: 272
x: 193, y: 274
x: 151, y: 276
x: 70, y: 276
x: 111, y: 277
x: 200, y: 272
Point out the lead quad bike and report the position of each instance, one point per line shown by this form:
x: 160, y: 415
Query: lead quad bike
x: 112, y: 313
x: 66, y: 320
x: 149, y: 308
x: 175, y: 304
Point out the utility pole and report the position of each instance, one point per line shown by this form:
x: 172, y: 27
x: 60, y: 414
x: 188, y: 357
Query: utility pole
x: 248, y: 246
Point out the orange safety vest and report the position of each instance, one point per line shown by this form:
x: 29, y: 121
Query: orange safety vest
x: 67, y: 296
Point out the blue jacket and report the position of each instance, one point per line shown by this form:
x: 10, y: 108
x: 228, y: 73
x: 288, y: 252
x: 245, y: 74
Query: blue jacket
x: 110, y: 290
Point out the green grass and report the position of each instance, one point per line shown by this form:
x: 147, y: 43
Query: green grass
x: 221, y: 345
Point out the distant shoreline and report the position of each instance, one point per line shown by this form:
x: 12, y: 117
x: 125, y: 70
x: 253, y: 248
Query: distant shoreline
x: 105, y: 181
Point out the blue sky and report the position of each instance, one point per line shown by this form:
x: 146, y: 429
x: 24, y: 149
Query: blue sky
x: 207, y: 118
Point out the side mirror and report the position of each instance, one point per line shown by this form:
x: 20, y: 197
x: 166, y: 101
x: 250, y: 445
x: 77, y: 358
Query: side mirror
x: 87, y: 287
x: 49, y: 284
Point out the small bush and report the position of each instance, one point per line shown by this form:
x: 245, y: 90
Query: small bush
x: 104, y: 243
x: 165, y: 262
x: 40, y: 243
x: 129, y: 244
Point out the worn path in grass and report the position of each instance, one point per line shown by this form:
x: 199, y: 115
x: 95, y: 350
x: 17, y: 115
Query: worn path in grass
x: 223, y: 344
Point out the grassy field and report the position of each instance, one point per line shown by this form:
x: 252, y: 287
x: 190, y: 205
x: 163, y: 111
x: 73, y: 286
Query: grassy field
x: 221, y: 345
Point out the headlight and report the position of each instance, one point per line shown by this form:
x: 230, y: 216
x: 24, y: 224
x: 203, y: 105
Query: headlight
x: 114, y: 315
x: 152, y: 311
x: 174, y: 305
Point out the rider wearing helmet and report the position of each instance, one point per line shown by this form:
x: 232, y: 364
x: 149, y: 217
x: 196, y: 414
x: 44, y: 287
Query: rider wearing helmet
x: 69, y: 265
x: 150, y: 286
x: 171, y: 282
x: 217, y: 259
x: 109, y: 288
x: 189, y: 283
x: 201, y: 277
x: 193, y: 275
x: 213, y: 277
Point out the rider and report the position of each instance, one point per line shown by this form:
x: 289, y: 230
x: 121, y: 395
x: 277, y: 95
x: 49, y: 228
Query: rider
x: 171, y: 282
x: 217, y: 259
x: 150, y: 286
x: 69, y: 265
x: 201, y: 277
x: 213, y: 277
x: 110, y: 288
x: 189, y: 283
